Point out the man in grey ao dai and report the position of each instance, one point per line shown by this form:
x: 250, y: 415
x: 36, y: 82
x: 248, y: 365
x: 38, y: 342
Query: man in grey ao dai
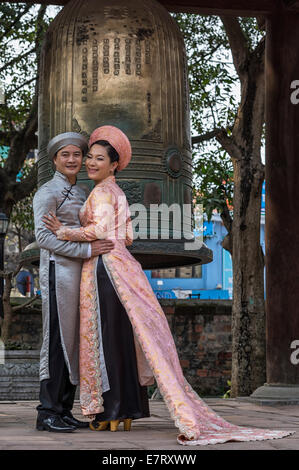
x: 60, y: 273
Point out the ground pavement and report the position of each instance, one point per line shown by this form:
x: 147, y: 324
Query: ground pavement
x: 17, y: 429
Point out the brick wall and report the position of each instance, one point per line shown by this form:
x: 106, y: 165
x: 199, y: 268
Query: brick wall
x: 201, y: 330
x: 26, y: 328
x: 202, y: 333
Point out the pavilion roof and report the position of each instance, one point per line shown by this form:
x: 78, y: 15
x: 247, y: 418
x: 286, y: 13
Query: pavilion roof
x: 216, y: 7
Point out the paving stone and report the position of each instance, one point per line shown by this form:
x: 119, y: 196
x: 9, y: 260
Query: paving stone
x: 17, y: 429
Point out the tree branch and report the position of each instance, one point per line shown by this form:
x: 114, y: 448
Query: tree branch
x: 13, y: 24
x: 226, y: 219
x: 21, y: 143
x: 39, y: 30
x: 17, y: 59
x: 26, y: 304
x: 11, y: 274
x: 261, y: 22
x: 6, y: 274
x: 25, y: 139
x: 227, y: 243
x: 259, y: 54
x: 26, y: 186
x: 237, y: 43
x: 198, y: 139
x: 228, y: 144
x: 20, y: 86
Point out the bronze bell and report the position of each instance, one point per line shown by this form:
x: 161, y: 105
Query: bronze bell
x: 123, y: 63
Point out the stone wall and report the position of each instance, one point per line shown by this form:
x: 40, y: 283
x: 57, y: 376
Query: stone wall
x: 19, y: 376
x: 202, y: 333
x: 201, y: 330
x: 26, y: 328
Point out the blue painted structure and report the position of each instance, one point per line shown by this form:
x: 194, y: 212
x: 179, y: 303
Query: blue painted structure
x: 216, y: 281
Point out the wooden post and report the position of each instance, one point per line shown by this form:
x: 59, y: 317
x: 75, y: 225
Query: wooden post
x: 282, y: 208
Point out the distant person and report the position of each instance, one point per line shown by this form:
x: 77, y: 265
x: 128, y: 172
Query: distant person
x: 24, y: 280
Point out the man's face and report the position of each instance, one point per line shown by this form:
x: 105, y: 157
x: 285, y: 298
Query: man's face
x: 68, y: 160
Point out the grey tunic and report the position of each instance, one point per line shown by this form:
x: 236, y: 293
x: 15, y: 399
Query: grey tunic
x: 68, y: 264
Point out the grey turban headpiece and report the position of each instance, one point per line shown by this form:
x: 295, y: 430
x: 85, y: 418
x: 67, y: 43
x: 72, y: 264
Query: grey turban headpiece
x: 67, y: 138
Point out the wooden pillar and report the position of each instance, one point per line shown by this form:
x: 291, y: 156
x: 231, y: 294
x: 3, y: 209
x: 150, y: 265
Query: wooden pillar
x: 282, y: 208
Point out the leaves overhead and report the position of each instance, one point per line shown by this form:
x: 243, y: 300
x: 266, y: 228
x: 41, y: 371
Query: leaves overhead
x: 18, y: 64
x: 22, y: 27
x: 214, y: 99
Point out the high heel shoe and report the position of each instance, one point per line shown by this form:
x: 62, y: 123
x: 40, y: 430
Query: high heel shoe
x: 103, y: 425
x: 114, y: 424
x: 98, y: 425
x: 127, y: 424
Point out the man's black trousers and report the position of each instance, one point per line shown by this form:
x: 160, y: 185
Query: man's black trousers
x: 56, y: 393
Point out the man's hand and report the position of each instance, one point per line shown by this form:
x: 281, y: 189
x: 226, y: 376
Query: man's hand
x: 51, y: 222
x: 99, y: 247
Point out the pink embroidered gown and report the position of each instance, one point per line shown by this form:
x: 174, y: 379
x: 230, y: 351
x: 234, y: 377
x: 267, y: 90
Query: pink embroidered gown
x: 105, y: 214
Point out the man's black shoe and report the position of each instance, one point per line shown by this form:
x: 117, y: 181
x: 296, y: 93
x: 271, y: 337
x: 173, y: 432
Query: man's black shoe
x: 69, y: 419
x: 53, y: 423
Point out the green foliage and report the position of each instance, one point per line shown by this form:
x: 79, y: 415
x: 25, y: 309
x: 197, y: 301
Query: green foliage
x: 16, y: 346
x: 18, y: 63
x: 22, y: 27
x: 22, y: 215
x: 214, y: 100
x: 213, y: 81
x: 21, y: 218
x: 212, y: 77
x: 228, y: 392
x: 21, y: 31
x: 213, y: 183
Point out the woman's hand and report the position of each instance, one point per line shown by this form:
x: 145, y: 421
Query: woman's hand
x: 51, y: 222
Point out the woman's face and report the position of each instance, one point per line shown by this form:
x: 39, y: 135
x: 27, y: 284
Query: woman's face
x: 98, y: 164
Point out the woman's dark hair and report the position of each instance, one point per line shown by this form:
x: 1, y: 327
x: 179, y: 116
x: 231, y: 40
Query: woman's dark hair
x: 112, y: 153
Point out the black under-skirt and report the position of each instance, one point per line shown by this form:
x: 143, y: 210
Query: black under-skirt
x: 126, y: 397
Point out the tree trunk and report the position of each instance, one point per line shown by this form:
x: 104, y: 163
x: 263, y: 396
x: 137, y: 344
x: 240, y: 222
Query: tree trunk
x: 248, y: 309
x: 8, y: 311
x: 243, y: 146
x: 19, y: 241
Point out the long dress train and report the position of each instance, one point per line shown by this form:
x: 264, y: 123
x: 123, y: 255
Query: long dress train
x: 105, y: 214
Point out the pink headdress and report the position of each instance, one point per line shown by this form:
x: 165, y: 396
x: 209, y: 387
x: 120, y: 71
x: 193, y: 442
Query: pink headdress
x: 117, y: 139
